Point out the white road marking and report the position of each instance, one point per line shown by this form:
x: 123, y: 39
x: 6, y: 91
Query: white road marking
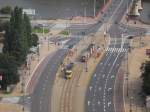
x: 109, y: 103
x: 43, y: 88
x: 89, y: 103
x: 100, y: 88
x: 103, y: 75
x: 90, y: 88
x: 109, y: 89
x: 114, y: 62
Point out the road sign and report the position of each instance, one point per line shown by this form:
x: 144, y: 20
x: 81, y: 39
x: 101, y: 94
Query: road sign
x: 148, y: 52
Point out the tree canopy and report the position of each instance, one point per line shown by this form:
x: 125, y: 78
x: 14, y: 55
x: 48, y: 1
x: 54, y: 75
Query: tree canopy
x: 17, y: 42
x: 146, y: 77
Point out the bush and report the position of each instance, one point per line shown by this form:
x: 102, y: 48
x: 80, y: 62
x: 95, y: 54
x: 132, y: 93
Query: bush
x: 146, y: 77
x: 8, y: 71
x: 40, y: 30
x: 34, y: 40
x: 6, y: 10
x: 65, y: 33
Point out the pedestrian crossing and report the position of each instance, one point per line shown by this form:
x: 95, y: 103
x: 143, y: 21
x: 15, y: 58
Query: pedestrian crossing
x: 117, y: 50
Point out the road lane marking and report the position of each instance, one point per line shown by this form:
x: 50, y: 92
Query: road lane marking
x: 114, y: 63
x: 109, y: 103
x: 90, y: 88
x: 103, y: 75
x: 89, y: 103
x: 100, y: 88
x: 99, y: 102
x: 109, y: 89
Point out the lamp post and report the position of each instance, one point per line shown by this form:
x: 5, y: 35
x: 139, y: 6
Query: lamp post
x: 48, y: 43
x: 131, y: 99
x: 127, y: 84
x: 127, y: 75
x: 84, y: 4
x: 105, y: 34
x: 23, y: 89
x: 104, y: 2
x: 94, y: 8
x: 85, y: 14
x: 38, y: 51
x: 43, y: 29
x: 86, y: 67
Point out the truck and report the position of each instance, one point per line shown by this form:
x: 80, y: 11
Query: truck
x: 68, y: 70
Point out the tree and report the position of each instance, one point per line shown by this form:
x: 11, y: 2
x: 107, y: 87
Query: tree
x: 146, y: 77
x: 27, y: 29
x: 8, y: 70
x: 6, y: 10
x: 16, y: 36
x: 34, y: 40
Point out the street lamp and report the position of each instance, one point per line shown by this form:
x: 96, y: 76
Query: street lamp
x: 84, y: 4
x: 105, y: 34
x: 38, y: 51
x: 131, y: 99
x: 43, y: 29
x: 48, y: 43
x: 127, y: 84
x: 94, y: 7
x: 86, y: 66
x: 104, y: 2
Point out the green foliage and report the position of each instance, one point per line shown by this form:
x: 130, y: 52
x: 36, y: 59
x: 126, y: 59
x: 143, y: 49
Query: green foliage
x: 146, y: 77
x: 27, y: 29
x: 17, y: 42
x: 40, y: 30
x: 6, y: 10
x: 18, y: 36
x: 64, y: 32
x: 3, y: 25
x: 8, y: 69
x: 34, y: 40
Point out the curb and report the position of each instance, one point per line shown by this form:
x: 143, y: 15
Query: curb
x: 36, y: 73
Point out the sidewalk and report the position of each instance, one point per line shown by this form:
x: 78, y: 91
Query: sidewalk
x: 134, y: 101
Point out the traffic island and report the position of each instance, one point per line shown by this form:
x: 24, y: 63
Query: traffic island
x: 80, y: 77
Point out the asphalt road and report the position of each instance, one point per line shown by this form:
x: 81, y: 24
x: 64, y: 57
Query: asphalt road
x: 100, y: 92
x: 40, y: 99
x: 41, y: 96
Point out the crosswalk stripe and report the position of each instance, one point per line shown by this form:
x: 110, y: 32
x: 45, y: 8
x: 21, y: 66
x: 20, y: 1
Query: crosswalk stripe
x: 116, y: 50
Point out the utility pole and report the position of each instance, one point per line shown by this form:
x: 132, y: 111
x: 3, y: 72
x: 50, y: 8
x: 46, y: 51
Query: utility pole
x: 94, y: 8
x: 104, y: 2
x: 23, y: 89
x: 48, y: 44
x: 43, y: 29
x: 131, y: 98
x: 38, y: 52
x: 127, y: 76
x: 85, y: 14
